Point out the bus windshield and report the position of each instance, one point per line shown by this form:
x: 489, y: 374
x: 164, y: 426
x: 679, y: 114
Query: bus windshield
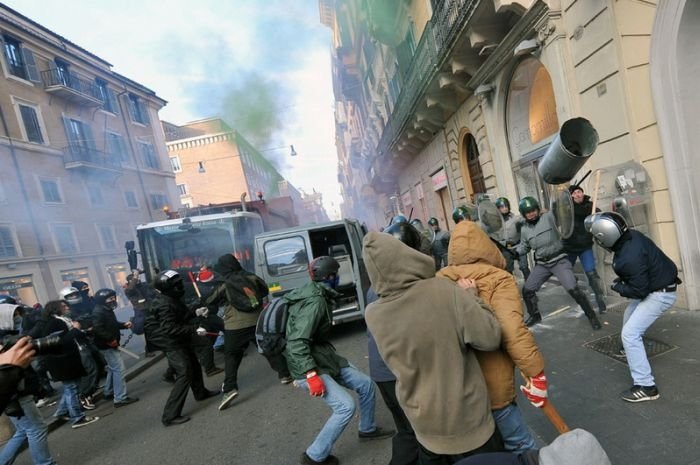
x: 189, y: 245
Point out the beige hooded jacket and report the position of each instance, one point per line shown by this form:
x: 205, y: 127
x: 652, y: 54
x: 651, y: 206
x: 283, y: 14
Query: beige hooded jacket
x: 427, y: 330
x: 473, y: 255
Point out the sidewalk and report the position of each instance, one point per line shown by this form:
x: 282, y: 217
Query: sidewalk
x: 586, y: 379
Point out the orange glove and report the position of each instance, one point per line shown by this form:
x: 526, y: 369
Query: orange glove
x: 315, y: 382
x: 536, y: 390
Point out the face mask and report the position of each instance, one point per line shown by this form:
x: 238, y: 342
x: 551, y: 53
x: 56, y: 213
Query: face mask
x: 112, y: 305
x: 331, y: 282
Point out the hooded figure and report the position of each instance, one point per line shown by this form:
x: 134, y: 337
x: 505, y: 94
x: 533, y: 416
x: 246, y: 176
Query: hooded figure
x: 427, y: 330
x: 472, y: 255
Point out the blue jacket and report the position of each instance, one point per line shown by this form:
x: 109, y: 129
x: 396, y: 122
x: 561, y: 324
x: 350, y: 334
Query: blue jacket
x: 641, y: 266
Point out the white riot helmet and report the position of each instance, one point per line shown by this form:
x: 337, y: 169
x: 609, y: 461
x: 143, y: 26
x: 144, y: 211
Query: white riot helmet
x: 71, y: 295
x: 607, y: 228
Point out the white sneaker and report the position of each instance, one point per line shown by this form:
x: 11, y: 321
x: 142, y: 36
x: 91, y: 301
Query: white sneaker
x: 228, y: 398
x: 84, y: 422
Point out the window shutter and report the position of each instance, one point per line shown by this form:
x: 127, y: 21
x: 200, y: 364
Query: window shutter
x: 30, y: 64
x: 113, y: 101
x: 89, y: 138
x: 70, y: 136
x: 133, y: 111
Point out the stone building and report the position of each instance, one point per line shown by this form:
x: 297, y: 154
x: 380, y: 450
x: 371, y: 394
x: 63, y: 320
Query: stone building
x: 439, y: 103
x: 83, y: 163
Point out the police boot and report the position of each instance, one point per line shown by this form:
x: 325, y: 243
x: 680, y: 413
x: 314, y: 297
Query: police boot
x: 585, y: 305
x: 594, y: 282
x: 533, y: 311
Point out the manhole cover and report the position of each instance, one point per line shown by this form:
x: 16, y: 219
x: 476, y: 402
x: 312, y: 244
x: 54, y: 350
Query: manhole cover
x: 611, y: 346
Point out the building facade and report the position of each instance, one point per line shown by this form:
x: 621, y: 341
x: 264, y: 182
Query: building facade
x: 83, y: 163
x: 442, y: 102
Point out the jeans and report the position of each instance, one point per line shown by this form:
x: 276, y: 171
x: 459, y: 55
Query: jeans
x: 343, y: 406
x: 69, y: 403
x: 587, y: 259
x: 115, y: 383
x: 88, y: 383
x: 32, y: 428
x: 639, y: 315
x: 515, y: 433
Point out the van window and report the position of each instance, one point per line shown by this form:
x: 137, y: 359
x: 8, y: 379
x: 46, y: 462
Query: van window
x: 286, y: 256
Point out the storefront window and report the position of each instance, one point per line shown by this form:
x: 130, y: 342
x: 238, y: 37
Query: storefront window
x: 78, y: 274
x: 19, y: 287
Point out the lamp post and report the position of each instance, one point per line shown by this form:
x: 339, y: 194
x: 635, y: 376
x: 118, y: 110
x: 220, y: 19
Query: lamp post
x: 292, y: 152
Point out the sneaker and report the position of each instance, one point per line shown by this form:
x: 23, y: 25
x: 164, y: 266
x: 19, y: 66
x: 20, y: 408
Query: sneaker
x: 640, y: 394
x: 330, y: 460
x: 532, y: 320
x: 378, y: 433
x: 41, y: 403
x: 126, y: 401
x: 84, y: 422
x: 228, y: 398
x: 86, y: 402
x: 168, y: 379
x: 595, y: 323
x: 214, y: 371
x: 286, y: 379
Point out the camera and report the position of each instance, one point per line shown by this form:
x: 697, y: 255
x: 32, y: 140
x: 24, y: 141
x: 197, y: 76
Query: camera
x: 42, y: 345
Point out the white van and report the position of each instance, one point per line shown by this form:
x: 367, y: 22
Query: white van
x: 282, y: 259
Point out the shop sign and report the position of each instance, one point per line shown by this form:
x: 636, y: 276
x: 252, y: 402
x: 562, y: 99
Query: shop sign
x: 439, y: 180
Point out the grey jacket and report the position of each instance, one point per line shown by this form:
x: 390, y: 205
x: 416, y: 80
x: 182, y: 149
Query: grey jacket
x: 543, y: 238
x: 577, y: 447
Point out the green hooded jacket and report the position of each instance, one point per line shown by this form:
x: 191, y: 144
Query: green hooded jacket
x: 308, y: 332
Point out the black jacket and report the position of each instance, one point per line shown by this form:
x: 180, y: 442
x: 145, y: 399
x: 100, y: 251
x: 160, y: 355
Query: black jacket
x: 580, y: 239
x: 169, y: 324
x: 105, y: 327
x: 66, y: 365
x: 642, y: 267
x: 31, y: 384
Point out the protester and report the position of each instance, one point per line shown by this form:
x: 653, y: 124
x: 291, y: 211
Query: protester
x: 427, y: 330
x: 318, y: 369
x: 650, y: 279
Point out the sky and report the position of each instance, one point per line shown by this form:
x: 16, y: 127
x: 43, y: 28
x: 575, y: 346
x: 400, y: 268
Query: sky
x: 261, y: 65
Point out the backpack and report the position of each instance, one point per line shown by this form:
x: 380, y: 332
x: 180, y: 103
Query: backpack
x: 270, y: 331
x: 242, y: 293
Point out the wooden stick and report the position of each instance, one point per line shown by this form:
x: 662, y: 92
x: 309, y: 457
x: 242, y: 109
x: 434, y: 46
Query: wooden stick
x: 595, y: 191
x: 194, y: 283
x: 554, y: 417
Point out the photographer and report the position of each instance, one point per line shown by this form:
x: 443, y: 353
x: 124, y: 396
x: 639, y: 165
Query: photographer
x: 21, y: 409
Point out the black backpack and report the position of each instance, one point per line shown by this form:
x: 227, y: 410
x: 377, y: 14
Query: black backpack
x: 242, y: 293
x: 270, y: 331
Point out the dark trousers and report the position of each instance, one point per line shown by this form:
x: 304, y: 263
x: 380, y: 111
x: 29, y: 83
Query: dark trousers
x: 404, y: 445
x: 235, y: 343
x: 494, y: 444
x: 188, y: 374
x: 502, y: 458
x: 203, y: 347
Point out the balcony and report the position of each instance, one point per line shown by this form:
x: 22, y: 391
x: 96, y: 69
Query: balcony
x: 72, y: 87
x: 91, y: 160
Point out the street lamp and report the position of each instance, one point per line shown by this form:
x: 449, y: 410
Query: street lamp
x: 292, y: 152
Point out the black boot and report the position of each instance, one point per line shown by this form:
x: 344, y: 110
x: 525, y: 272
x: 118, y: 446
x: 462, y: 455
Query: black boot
x: 533, y: 311
x: 594, y: 282
x: 586, y: 306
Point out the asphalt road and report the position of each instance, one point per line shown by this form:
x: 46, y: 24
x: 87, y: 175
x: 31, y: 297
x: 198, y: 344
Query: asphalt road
x: 268, y: 424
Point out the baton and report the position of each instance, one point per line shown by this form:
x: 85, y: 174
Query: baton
x: 595, y: 192
x: 129, y: 353
x: 194, y: 283
x: 554, y: 417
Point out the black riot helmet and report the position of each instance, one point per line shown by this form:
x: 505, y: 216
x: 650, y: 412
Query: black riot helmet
x: 323, y: 267
x: 170, y: 283
x: 406, y: 234
x: 106, y: 297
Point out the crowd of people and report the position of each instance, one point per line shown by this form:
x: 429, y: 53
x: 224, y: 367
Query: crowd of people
x: 451, y: 390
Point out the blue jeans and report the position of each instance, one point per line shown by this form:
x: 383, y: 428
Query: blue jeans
x: 639, y: 315
x: 69, y: 403
x: 515, y: 433
x: 343, y: 406
x: 32, y: 428
x: 587, y: 259
x: 115, y: 383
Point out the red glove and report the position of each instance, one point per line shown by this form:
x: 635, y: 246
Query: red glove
x: 113, y: 344
x: 536, y: 390
x: 315, y: 382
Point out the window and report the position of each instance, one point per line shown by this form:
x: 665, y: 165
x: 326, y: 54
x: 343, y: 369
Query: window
x: 182, y: 188
x: 52, y: 194
x: 64, y: 238
x: 109, y: 101
x: 7, y: 244
x: 30, y: 121
x: 137, y: 110
x: 130, y: 198
x: 175, y: 163
x: 20, y: 60
x: 117, y: 147
x: 95, y: 195
x: 107, y: 237
x: 81, y: 143
x: 158, y: 201
x: 62, y: 72
x: 148, y: 154
x: 286, y: 256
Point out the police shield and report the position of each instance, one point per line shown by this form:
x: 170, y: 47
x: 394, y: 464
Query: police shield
x: 562, y: 207
x: 490, y: 217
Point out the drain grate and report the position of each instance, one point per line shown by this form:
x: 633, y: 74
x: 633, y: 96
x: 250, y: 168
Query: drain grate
x: 611, y: 346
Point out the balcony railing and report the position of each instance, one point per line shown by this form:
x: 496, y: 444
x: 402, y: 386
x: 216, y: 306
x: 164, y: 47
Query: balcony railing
x: 76, y: 156
x: 449, y: 18
x: 71, y: 86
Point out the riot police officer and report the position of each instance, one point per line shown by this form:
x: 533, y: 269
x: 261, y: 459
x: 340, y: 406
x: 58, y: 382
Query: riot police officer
x: 441, y: 242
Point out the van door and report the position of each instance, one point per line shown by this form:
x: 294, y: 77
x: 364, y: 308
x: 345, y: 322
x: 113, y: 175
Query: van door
x: 356, y: 235
x: 283, y: 261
